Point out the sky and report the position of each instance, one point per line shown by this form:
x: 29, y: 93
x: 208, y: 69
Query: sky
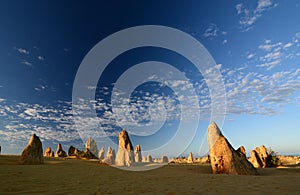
x: 256, y: 50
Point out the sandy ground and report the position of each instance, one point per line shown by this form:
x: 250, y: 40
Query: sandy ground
x: 73, y: 176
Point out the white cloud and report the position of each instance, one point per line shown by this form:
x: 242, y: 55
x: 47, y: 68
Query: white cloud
x: 239, y: 8
x: 262, y: 5
x: 211, y: 31
x: 267, y: 45
x: 41, y: 58
x: 250, y: 56
x: 248, y: 16
x: 272, y: 53
x: 269, y: 65
x: 271, y: 56
x: 288, y: 45
x: 225, y: 41
x: 26, y: 63
x: 22, y: 50
x: 41, y: 87
x: 31, y: 112
x: 255, y: 93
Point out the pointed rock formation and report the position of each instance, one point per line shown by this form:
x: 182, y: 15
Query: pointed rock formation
x: 48, y: 152
x: 71, y: 151
x: 125, y: 155
x: 60, y: 152
x: 33, y: 152
x: 92, y: 146
x: 190, y: 159
x: 224, y: 159
x: 101, y: 153
x: 138, y: 154
x: 259, y: 157
x: 164, y: 159
x: 110, y: 157
x: 241, y: 150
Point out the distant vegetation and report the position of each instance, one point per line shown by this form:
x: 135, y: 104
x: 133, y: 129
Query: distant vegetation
x: 272, y: 159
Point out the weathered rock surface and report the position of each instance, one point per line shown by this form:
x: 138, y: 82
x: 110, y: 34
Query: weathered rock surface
x: 125, y: 155
x: 92, y: 146
x: 190, y: 159
x: 33, y: 152
x: 110, y: 157
x: 255, y: 160
x: 224, y: 159
x: 60, y: 152
x: 241, y: 150
x: 138, y: 154
x: 101, y: 153
x: 258, y: 157
x: 48, y: 152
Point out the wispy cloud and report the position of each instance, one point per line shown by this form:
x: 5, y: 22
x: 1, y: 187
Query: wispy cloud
x: 41, y: 87
x: 248, y: 16
x: 21, y: 50
x: 271, y: 54
x: 26, y: 63
x: 250, y: 56
x: 41, y: 58
x: 211, y: 31
x: 255, y: 93
x: 268, y: 45
x: 269, y: 65
x: 288, y: 45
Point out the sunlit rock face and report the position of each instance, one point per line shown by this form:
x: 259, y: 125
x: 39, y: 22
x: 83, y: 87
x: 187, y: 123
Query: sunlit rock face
x: 190, y: 159
x: 60, y: 152
x: 125, y: 155
x: 259, y: 157
x: 223, y: 158
x: 92, y: 146
x: 48, y: 152
x: 33, y: 152
x: 138, y: 154
x: 110, y: 157
x: 101, y: 153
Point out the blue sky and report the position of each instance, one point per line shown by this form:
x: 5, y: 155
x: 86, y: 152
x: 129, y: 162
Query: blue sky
x: 256, y: 46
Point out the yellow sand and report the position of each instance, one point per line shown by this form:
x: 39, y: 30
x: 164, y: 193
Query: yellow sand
x: 72, y: 176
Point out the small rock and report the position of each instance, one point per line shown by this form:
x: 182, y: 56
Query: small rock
x: 60, y: 152
x: 138, y: 154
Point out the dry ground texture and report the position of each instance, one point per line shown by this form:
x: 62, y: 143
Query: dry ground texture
x: 73, y: 176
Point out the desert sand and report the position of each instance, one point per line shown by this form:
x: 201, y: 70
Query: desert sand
x: 75, y: 176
